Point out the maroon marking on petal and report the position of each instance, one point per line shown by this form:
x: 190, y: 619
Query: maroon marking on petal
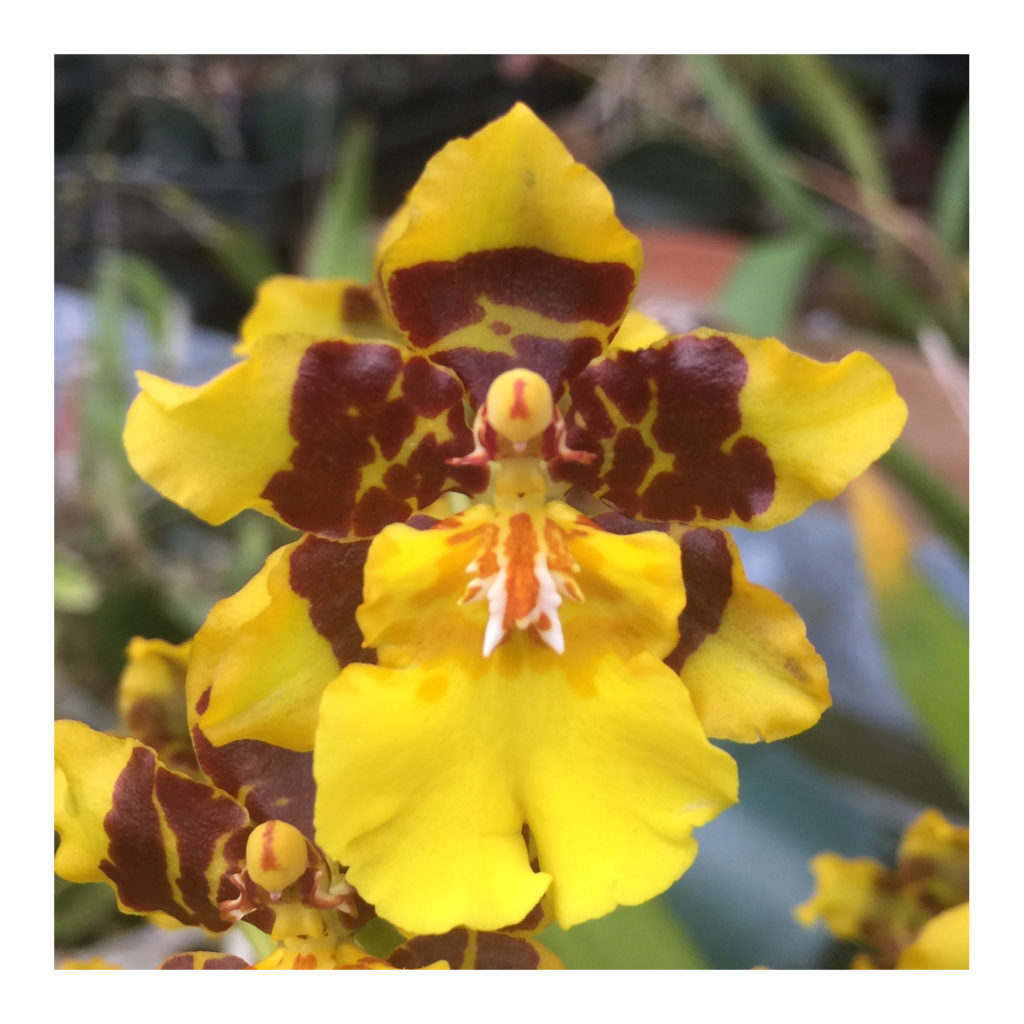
x: 616, y: 522
x: 428, y: 463
x: 358, y: 305
x: 377, y: 509
x: 707, y: 576
x: 279, y: 782
x: 138, y: 861
x: 499, y: 327
x: 428, y: 389
x: 339, y: 394
x: 203, y: 702
x: 424, y: 950
x: 422, y: 522
x: 697, y: 383
x: 195, y: 961
x: 497, y: 952
x: 397, y: 422
x: 199, y: 817
x: 330, y: 576
x: 555, y: 359
x: 476, y: 368
x: 431, y: 300
x: 631, y: 459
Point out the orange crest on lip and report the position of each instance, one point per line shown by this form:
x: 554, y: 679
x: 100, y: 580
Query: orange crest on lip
x: 524, y: 570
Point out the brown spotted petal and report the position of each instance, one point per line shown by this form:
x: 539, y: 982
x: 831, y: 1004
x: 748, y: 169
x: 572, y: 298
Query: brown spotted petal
x: 718, y: 428
x: 373, y: 427
x: 203, y: 961
x: 666, y: 424
x: 508, y: 253
x: 163, y: 841
x: 465, y: 949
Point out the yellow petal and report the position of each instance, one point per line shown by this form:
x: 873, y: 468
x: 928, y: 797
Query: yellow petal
x: 598, y: 751
x: 334, y: 308
x: 823, y: 424
x: 845, y: 894
x: 508, y: 252
x: 260, y: 654
x: 744, y: 653
x: 163, y: 841
x: 942, y: 945
x: 213, y: 449
x: 718, y: 428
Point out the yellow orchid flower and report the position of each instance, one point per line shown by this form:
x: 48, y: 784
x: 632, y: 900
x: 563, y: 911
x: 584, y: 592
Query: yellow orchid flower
x: 913, y: 917
x: 181, y: 851
x: 503, y: 699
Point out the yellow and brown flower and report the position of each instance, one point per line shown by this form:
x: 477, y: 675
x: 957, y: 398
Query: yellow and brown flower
x: 914, y: 916
x: 454, y: 671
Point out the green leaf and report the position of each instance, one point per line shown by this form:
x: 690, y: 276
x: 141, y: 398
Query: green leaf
x: 647, y: 937
x: 75, y: 586
x: 927, y: 643
x: 765, y: 160
x: 340, y: 244
x: 951, y: 206
x: 154, y: 296
x: 242, y: 254
x: 943, y: 506
x: 379, y: 938
x: 762, y: 294
x: 824, y: 98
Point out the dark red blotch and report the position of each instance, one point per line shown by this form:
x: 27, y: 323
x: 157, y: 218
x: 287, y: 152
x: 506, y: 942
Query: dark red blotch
x: 198, y: 818
x: 707, y: 577
x: 339, y: 403
x: 431, y: 300
x: 330, y: 576
x: 696, y: 383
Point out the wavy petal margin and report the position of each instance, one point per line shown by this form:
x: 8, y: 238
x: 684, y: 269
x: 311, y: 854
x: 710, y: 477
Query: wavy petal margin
x: 710, y: 428
x: 743, y: 651
x: 597, y: 751
x: 337, y: 437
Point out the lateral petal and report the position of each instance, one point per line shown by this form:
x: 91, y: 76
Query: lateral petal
x: 265, y: 654
x: 163, y: 841
x: 714, y: 428
x: 259, y: 665
x: 332, y: 437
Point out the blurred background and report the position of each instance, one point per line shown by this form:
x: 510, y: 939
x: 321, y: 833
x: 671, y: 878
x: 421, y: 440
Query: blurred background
x: 823, y: 200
